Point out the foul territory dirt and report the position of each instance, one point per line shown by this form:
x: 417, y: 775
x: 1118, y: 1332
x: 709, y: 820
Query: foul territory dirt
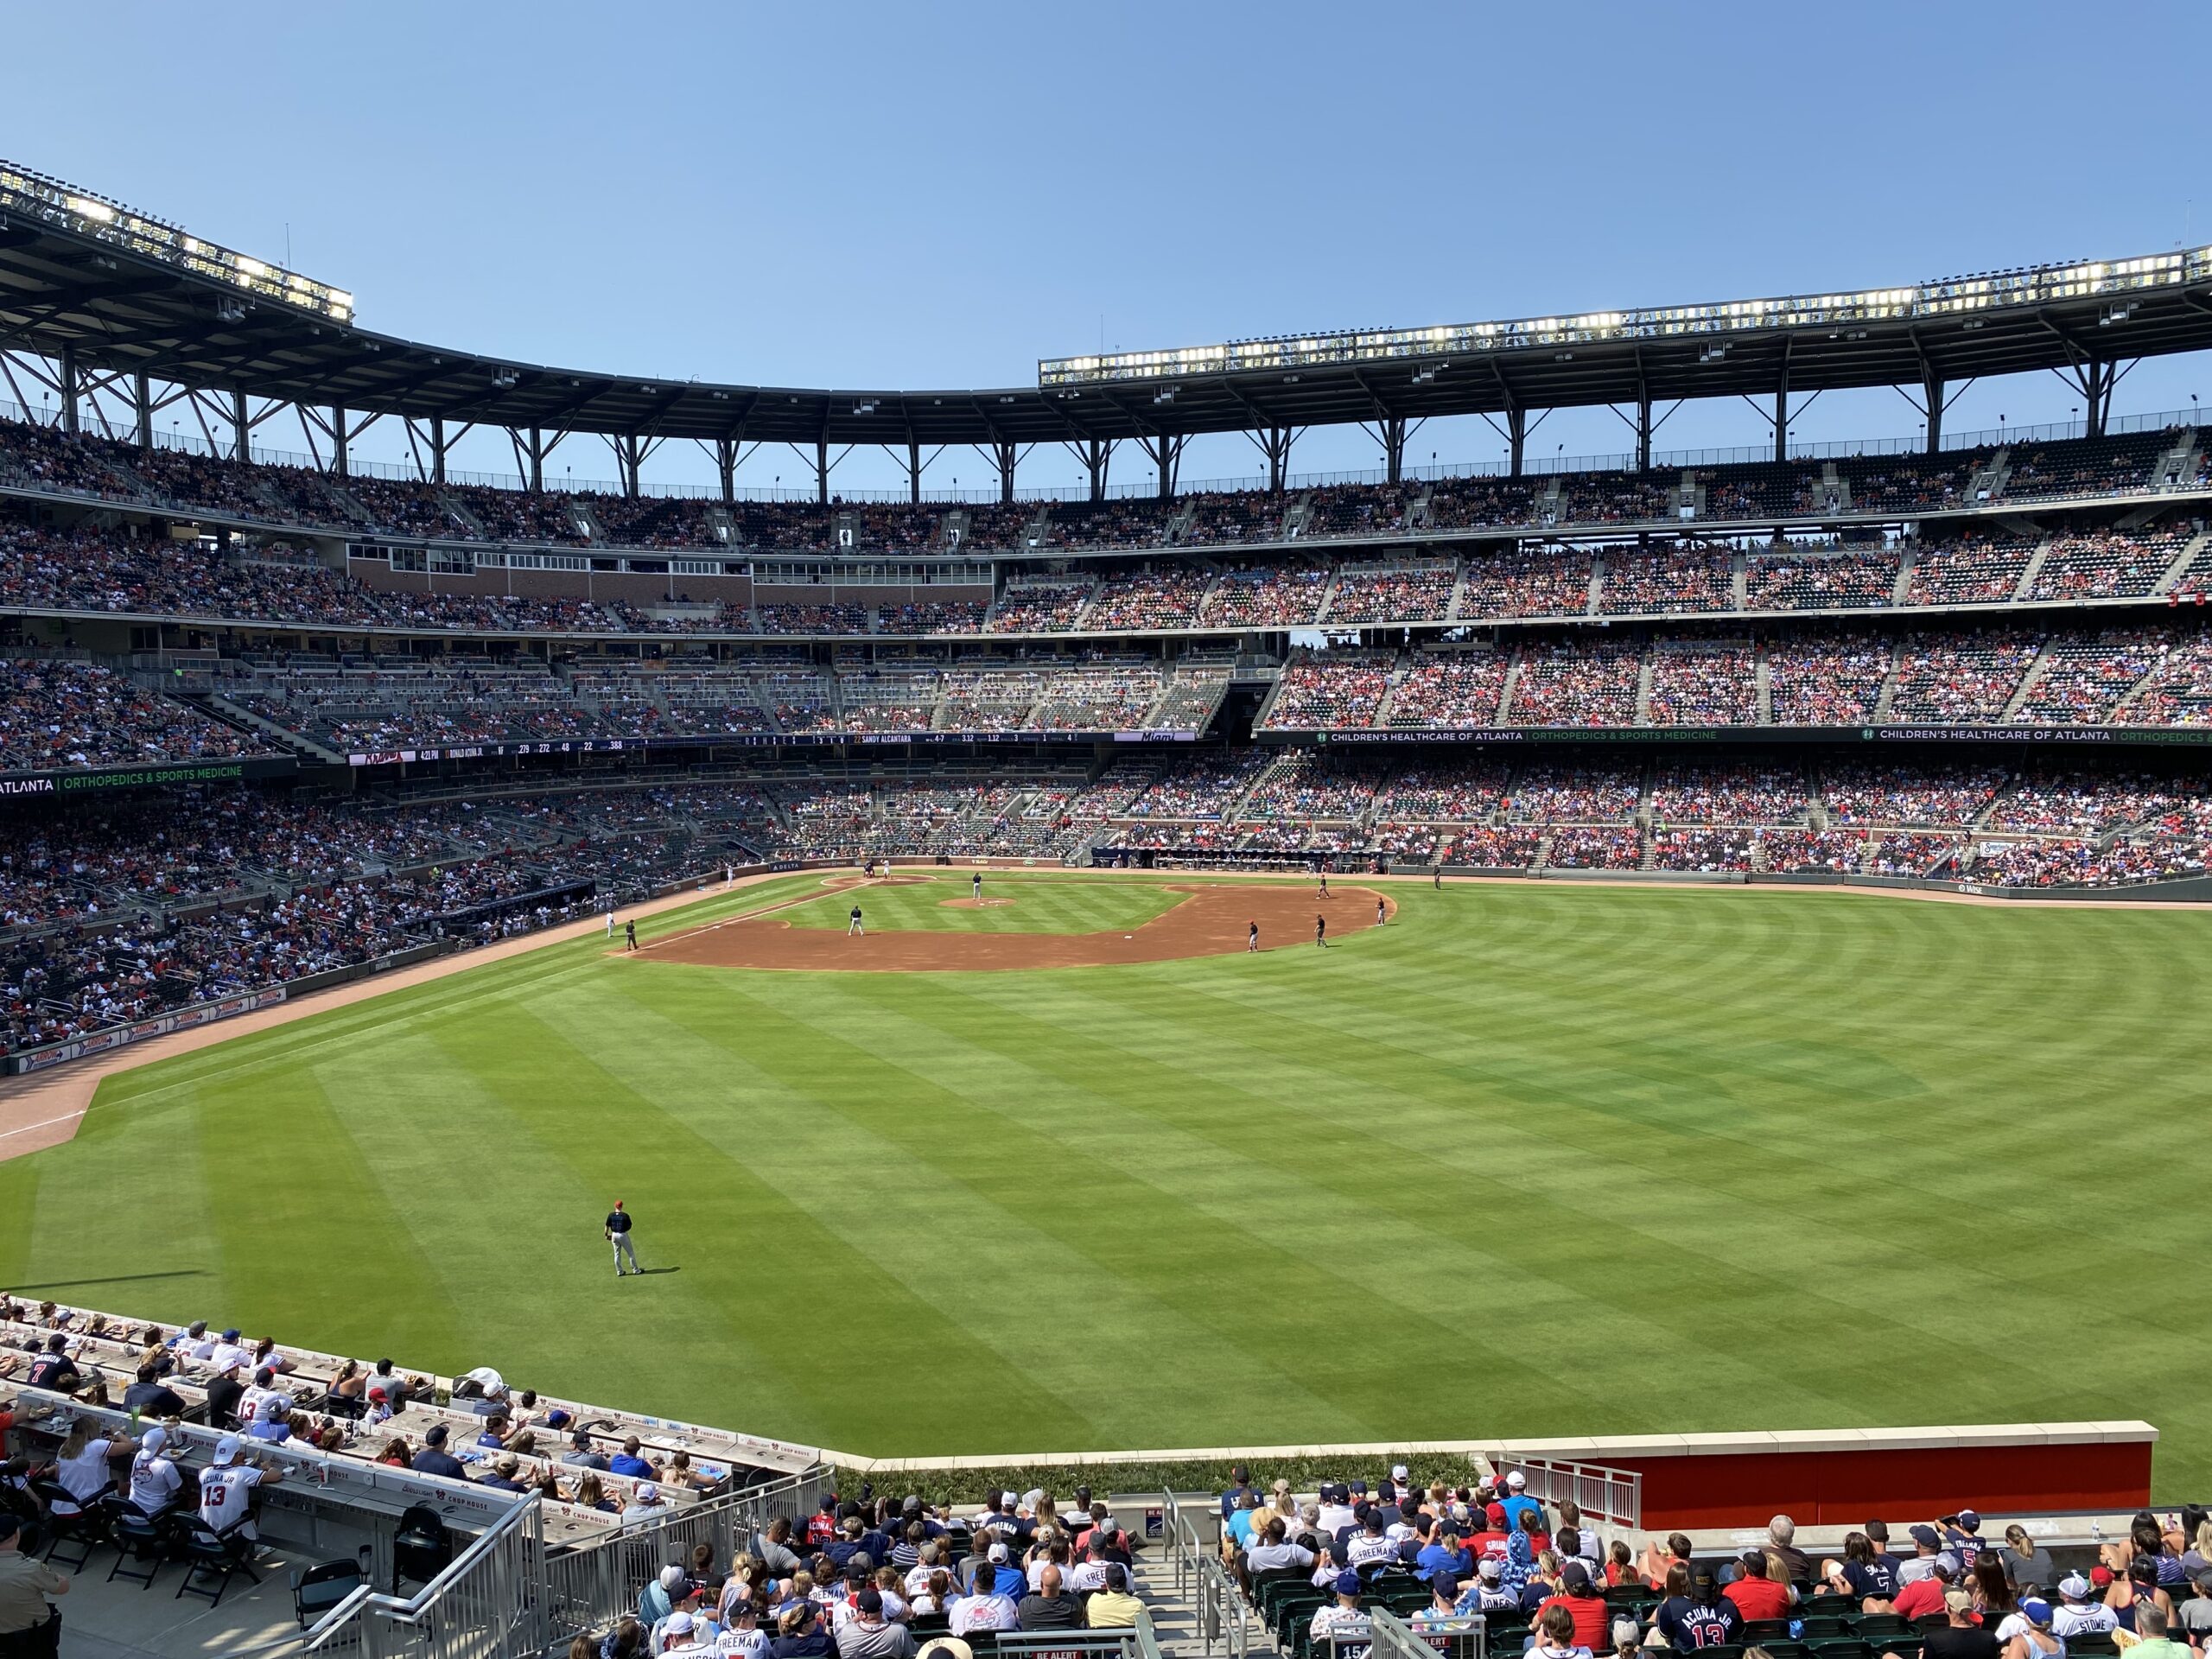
x: 1209, y: 921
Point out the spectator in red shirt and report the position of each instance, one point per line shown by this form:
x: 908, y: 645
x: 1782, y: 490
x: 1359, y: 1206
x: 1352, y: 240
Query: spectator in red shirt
x: 1585, y: 1605
x: 1925, y: 1595
x: 1756, y: 1595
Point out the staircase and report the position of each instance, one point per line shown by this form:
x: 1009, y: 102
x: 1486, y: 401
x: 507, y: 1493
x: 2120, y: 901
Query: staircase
x: 1458, y: 592
x: 586, y: 521
x: 1901, y: 589
x: 225, y: 709
x: 1739, y: 577
x: 1889, y: 683
x: 2033, y: 568
x: 1296, y: 517
x: 1643, y: 691
x: 462, y: 513
x: 1417, y: 509
x: 721, y: 525
x: 1597, y: 584
x: 2178, y: 465
x: 1174, y: 1622
x: 1988, y: 483
x: 1505, y: 694
x: 2036, y: 672
x: 1762, y: 688
x: 1835, y: 490
x: 1178, y: 526
x: 2183, y: 560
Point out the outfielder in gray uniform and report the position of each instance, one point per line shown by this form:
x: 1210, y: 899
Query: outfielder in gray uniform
x: 618, y: 1231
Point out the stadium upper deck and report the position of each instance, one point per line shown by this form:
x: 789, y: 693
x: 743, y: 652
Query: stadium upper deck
x: 116, y: 298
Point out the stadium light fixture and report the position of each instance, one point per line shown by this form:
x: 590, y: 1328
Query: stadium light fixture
x: 1952, y: 298
x: 36, y: 196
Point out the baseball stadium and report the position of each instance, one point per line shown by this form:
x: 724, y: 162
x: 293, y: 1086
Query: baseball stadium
x: 1180, y: 1055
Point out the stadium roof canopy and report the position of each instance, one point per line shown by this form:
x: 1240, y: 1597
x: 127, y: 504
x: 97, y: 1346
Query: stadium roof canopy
x: 113, y: 292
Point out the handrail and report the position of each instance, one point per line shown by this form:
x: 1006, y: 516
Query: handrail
x: 1612, y: 1496
x: 526, y: 1517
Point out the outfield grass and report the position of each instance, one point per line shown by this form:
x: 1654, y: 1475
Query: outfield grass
x: 1041, y: 904
x: 1533, y: 1160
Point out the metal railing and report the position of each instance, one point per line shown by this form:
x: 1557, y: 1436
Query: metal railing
x: 488, y: 1604
x: 1203, y: 1583
x: 590, y: 1587
x: 1459, y: 1638
x: 1612, y: 1496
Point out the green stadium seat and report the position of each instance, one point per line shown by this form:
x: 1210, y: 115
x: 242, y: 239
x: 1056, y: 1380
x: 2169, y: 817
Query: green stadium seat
x: 1815, y: 1627
x: 1884, y: 1628
x: 1826, y: 1603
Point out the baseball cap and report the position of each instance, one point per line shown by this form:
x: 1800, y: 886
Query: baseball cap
x: 1626, y: 1633
x: 1926, y: 1535
x: 1968, y: 1519
x: 1575, y: 1576
x: 648, y: 1492
x: 1516, y: 1481
x: 997, y: 1556
x: 1491, y: 1569
x: 672, y: 1578
x: 1445, y: 1586
x: 379, y: 1395
x: 945, y: 1647
x: 2036, y: 1609
x: 435, y: 1436
x: 227, y: 1450
x: 231, y: 1335
x: 1397, y: 1472
x: 1946, y: 1565
x: 1348, y: 1583
x: 911, y: 1506
x: 2101, y: 1576
x: 1956, y: 1601
x: 1701, y: 1572
x: 677, y: 1625
x: 870, y: 1600
x: 1495, y: 1513
x: 2074, y: 1585
x: 156, y: 1438
x: 1359, y: 1488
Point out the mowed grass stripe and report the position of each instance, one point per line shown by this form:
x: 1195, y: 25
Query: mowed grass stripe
x: 792, y: 1233
x: 1037, y: 904
x: 1217, y: 1202
x: 1533, y: 1159
x: 1069, y: 1284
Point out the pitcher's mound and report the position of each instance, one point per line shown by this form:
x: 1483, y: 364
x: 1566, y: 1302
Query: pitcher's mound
x: 973, y: 904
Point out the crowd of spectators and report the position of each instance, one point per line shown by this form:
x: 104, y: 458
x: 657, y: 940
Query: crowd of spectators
x: 1577, y: 685
x: 1704, y: 686
x: 57, y: 714
x: 33, y: 456
x: 1419, y: 593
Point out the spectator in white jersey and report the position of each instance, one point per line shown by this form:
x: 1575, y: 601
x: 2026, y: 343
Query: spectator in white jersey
x: 226, y: 1488
x: 156, y: 1485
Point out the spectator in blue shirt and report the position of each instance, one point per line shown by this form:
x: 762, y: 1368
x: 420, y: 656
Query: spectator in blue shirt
x: 1443, y: 1552
x: 1515, y: 1502
x: 628, y: 1462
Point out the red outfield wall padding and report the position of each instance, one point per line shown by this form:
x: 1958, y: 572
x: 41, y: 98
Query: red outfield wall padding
x: 1898, y: 1483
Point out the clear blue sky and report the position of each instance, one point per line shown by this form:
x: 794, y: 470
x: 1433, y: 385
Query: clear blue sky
x: 905, y: 195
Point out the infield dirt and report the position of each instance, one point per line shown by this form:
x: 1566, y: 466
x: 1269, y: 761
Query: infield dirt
x: 1212, y: 920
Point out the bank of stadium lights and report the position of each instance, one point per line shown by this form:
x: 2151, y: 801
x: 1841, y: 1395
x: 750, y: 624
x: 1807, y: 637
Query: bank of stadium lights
x: 35, y: 196
x: 1956, y: 297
